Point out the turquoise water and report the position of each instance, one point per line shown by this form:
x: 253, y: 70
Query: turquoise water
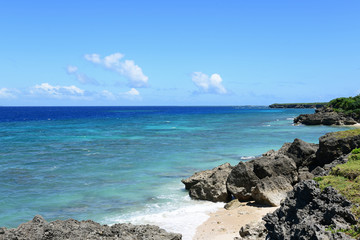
x: 115, y: 164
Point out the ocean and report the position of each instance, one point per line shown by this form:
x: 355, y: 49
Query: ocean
x: 125, y: 164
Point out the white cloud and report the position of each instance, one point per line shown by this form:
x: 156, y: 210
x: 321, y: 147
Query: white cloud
x: 81, y: 77
x: 113, y: 61
x: 132, y: 94
x: 57, y: 91
x: 126, y: 68
x: 206, y: 84
x: 7, y: 93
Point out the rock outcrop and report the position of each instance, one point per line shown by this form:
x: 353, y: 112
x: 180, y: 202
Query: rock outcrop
x: 271, y: 190
x: 265, y: 179
x: 307, y: 212
x: 254, y: 231
x: 268, y: 178
x: 262, y: 179
x: 38, y: 228
x: 325, y: 116
x: 336, y: 144
x: 210, y: 185
x: 303, y: 153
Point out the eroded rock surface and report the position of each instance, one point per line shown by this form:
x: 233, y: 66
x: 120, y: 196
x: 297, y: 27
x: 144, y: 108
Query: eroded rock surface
x: 335, y: 145
x: 307, y: 212
x: 38, y: 228
x: 265, y: 179
x: 210, y: 185
x: 325, y: 116
x: 253, y: 231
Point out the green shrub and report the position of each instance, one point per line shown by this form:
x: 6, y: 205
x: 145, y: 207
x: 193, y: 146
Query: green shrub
x: 356, y: 151
x: 350, y: 105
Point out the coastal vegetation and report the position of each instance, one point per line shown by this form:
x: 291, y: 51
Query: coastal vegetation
x: 345, y: 178
x: 350, y: 105
x: 339, y: 111
x: 298, y: 105
x: 345, y: 134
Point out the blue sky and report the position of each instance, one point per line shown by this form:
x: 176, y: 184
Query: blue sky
x: 178, y: 52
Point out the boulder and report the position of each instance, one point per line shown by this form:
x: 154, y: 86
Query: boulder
x: 197, y: 177
x: 211, y: 185
x: 307, y: 212
x: 232, y: 204
x: 253, y: 231
x: 258, y: 178
x: 336, y: 144
x: 242, y: 180
x: 270, y: 191
x: 38, y: 228
x: 301, y: 152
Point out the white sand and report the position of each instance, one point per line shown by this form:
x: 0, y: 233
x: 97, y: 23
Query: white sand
x: 225, y: 224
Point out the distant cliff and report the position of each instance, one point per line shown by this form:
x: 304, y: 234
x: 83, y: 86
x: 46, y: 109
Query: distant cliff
x: 298, y: 105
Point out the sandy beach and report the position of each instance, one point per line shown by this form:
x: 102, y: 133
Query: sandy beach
x: 225, y: 224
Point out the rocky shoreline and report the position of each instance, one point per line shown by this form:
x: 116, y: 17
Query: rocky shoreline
x: 284, y: 178
x: 326, y: 116
x: 39, y: 228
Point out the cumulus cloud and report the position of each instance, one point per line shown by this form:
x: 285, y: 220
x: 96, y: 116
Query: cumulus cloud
x: 7, y: 93
x: 81, y: 77
x: 132, y: 94
x: 206, y: 84
x: 126, y: 68
x: 57, y: 91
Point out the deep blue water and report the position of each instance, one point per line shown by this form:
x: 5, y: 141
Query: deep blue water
x: 114, y: 164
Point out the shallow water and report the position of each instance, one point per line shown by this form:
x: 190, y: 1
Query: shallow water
x: 112, y: 164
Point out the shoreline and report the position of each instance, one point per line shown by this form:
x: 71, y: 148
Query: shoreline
x: 225, y: 224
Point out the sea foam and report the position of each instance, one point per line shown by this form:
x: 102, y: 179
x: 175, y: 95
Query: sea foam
x: 182, y: 219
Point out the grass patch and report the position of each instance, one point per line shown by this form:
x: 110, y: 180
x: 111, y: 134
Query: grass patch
x: 345, y: 178
x: 348, y: 133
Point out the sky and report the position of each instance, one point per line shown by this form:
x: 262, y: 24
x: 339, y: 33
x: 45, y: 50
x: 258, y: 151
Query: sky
x: 178, y: 53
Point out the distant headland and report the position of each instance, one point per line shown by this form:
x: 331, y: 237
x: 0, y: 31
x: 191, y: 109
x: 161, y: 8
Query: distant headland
x: 298, y: 105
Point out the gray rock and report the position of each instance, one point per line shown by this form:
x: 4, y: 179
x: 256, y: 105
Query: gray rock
x: 304, y: 174
x: 253, y: 231
x: 38, y: 228
x: 307, y: 212
x: 270, y: 191
x: 260, y: 175
x: 319, y: 171
x: 335, y: 145
x: 212, y: 187
x: 301, y: 151
x: 232, y: 204
x: 325, y: 116
x: 242, y: 180
x: 197, y: 177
